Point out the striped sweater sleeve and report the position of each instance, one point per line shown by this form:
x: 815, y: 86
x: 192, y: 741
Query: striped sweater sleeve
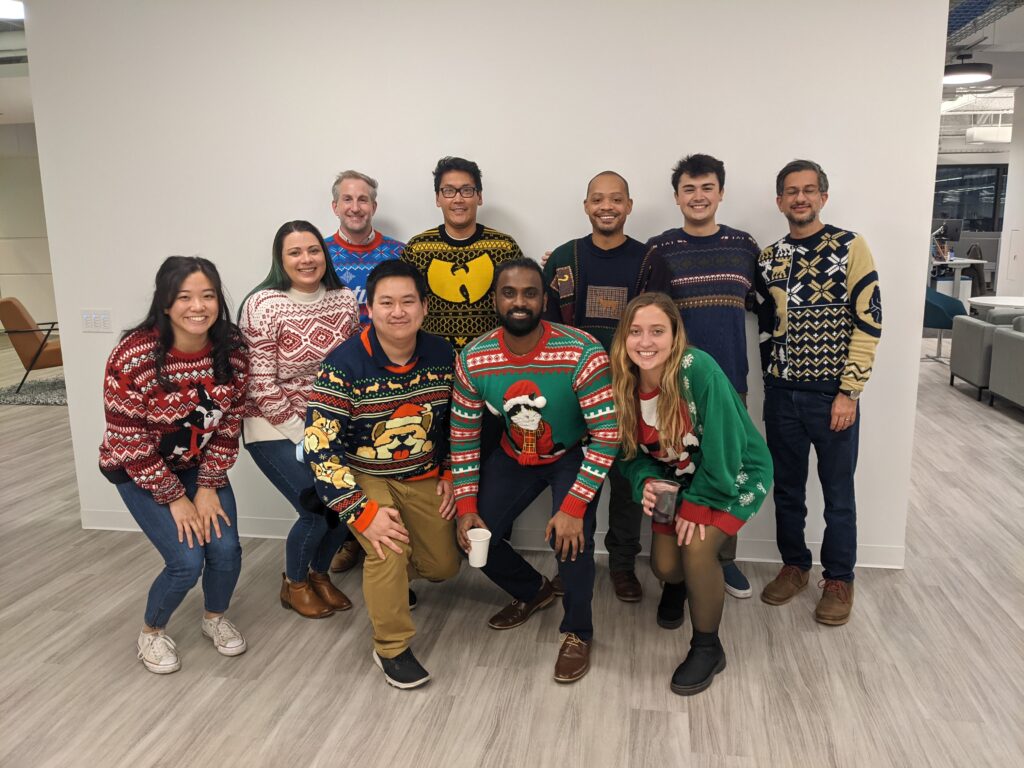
x: 466, y: 418
x: 127, y: 437
x: 866, y: 310
x: 258, y: 326
x: 592, y: 383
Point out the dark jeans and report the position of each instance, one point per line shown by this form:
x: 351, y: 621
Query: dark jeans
x: 310, y: 543
x: 506, y: 489
x: 794, y: 421
x: 624, y: 518
x: 219, y: 561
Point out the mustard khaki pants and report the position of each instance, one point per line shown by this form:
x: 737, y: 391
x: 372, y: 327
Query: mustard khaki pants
x: 431, y: 554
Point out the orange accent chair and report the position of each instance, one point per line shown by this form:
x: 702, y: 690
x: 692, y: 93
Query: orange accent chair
x: 31, y: 340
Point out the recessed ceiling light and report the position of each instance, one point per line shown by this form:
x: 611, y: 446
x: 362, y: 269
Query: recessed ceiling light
x: 12, y: 9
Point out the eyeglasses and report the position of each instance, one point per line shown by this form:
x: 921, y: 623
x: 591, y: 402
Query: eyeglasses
x: 809, y: 191
x: 466, y: 191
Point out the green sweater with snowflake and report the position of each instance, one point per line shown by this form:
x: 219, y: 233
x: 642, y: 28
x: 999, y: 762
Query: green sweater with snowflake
x: 725, y: 469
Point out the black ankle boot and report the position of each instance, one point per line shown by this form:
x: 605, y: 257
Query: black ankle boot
x: 705, y: 660
x: 672, y: 608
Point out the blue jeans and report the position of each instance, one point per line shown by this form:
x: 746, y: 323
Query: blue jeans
x: 506, y: 489
x: 310, y: 543
x: 794, y: 421
x: 221, y: 557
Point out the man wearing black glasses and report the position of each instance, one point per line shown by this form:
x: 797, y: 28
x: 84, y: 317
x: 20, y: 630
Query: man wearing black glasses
x: 458, y: 258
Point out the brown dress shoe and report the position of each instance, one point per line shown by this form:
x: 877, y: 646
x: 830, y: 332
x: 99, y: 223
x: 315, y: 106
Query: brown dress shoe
x: 784, y: 587
x: 518, y: 611
x: 836, y: 602
x: 558, y: 586
x: 573, y: 659
x: 347, y: 557
x: 301, y: 598
x: 627, y: 586
x: 326, y: 591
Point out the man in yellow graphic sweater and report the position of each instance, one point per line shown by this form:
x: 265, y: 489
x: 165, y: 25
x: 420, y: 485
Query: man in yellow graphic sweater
x: 821, y: 319
x: 458, y: 257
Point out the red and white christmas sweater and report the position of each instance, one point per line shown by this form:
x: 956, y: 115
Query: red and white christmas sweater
x: 289, y: 333
x: 151, y: 433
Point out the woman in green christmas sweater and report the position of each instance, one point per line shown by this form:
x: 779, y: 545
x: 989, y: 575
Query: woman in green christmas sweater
x: 681, y: 420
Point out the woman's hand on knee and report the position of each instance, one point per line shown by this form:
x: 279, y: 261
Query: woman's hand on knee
x: 685, y: 529
x: 207, y: 504
x: 187, y: 519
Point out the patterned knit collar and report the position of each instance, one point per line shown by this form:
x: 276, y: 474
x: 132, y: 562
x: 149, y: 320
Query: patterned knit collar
x: 532, y: 354
x: 373, y: 348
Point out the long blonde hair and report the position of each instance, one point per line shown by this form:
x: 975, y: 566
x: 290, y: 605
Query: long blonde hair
x: 626, y: 378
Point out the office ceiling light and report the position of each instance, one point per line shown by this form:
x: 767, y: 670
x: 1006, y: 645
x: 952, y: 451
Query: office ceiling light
x: 966, y: 71
x: 9, y: 9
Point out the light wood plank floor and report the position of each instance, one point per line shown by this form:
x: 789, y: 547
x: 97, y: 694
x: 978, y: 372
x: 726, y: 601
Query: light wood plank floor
x: 930, y: 672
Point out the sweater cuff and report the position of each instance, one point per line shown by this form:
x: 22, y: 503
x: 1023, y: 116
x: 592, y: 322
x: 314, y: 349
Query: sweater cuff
x: 363, y: 520
x: 573, y: 506
x: 465, y: 506
x: 698, y: 513
x: 446, y: 475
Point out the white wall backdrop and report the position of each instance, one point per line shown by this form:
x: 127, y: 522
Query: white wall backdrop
x: 198, y: 127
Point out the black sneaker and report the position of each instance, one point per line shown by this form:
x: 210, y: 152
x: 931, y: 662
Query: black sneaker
x: 672, y: 608
x: 403, y: 671
x: 413, y: 601
x: 698, y: 669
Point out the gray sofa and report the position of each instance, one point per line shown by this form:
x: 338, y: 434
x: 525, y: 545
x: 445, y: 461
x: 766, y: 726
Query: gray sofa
x: 970, y: 356
x: 1006, y: 378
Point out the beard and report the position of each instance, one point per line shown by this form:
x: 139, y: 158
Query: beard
x: 807, y: 218
x: 519, y: 326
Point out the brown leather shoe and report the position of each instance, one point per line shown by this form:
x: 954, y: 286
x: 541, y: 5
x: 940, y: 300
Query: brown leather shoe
x: 558, y: 586
x: 836, y: 602
x: 517, y: 612
x: 573, y: 659
x: 784, y: 587
x: 627, y: 586
x: 326, y: 591
x: 347, y: 557
x: 301, y: 598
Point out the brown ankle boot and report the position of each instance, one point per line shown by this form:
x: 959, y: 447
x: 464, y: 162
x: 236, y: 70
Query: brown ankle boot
x: 326, y: 591
x: 298, y: 596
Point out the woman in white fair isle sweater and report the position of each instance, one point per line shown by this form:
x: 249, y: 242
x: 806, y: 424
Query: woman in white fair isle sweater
x: 290, y: 321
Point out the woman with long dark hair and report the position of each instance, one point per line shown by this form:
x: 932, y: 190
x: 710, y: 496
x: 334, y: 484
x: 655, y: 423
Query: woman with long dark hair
x: 290, y: 321
x: 173, y: 395
x: 681, y: 420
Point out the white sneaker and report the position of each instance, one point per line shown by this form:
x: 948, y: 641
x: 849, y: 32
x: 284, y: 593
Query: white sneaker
x: 158, y: 653
x: 225, y: 635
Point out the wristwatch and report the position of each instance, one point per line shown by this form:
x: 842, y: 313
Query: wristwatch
x: 853, y: 394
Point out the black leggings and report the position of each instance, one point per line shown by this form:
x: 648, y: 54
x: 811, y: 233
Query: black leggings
x: 697, y: 564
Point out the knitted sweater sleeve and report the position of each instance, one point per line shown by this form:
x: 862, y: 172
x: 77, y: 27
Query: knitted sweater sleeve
x: 466, y: 418
x: 592, y: 383
x: 328, y: 414
x: 654, y: 274
x: 222, y: 451
x: 127, y: 438
x: 734, y: 469
x: 866, y: 309
x: 259, y: 326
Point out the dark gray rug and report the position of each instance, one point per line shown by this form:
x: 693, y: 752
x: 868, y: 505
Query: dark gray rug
x: 43, y: 392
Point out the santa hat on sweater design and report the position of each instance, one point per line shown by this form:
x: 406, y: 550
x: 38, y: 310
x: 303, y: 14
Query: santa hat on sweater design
x: 406, y: 414
x: 524, y: 393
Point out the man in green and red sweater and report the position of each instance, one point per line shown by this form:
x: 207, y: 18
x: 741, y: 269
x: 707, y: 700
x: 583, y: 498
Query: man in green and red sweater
x: 551, y: 385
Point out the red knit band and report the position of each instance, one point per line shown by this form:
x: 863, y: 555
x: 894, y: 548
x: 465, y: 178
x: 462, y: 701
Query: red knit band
x: 698, y: 513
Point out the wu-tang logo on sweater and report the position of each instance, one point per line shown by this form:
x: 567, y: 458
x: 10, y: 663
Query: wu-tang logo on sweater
x: 461, y: 283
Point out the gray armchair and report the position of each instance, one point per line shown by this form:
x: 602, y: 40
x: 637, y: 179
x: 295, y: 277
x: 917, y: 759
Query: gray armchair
x: 1006, y: 379
x: 970, y: 356
x: 1003, y: 315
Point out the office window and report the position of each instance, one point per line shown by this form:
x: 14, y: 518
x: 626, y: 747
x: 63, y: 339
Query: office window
x: 974, y: 193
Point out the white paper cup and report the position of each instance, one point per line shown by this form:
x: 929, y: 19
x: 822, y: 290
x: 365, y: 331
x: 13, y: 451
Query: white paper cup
x: 665, y: 504
x: 479, y: 543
